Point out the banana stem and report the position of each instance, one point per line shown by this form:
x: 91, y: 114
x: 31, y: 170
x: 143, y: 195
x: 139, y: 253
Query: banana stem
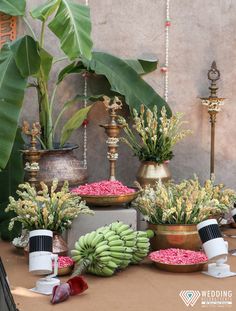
x: 83, y: 265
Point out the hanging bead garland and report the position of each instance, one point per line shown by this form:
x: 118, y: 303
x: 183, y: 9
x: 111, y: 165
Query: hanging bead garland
x: 164, y: 69
x: 85, y: 123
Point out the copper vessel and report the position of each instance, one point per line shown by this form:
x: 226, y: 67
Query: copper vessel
x: 61, y: 164
x: 59, y: 245
x: 150, y: 172
x: 175, y: 236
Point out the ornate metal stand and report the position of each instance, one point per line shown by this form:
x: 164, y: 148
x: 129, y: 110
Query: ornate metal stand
x: 112, y: 129
x: 213, y: 104
x: 32, y: 155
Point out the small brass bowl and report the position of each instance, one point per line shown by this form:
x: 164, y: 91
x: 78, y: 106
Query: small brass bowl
x: 109, y: 200
x: 65, y: 271
x: 180, y: 268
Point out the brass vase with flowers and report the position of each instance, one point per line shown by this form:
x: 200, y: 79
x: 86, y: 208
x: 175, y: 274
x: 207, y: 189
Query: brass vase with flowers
x: 47, y: 209
x: 152, y: 140
x: 173, y: 210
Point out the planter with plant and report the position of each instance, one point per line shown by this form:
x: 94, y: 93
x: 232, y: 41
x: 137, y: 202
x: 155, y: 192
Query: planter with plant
x: 25, y: 62
x: 152, y: 141
x: 47, y: 209
x: 173, y: 210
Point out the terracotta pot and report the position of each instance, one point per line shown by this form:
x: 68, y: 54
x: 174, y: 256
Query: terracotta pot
x: 175, y: 236
x: 61, y: 164
x: 150, y: 172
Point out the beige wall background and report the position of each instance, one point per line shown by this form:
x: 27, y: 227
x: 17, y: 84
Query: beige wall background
x: 201, y: 31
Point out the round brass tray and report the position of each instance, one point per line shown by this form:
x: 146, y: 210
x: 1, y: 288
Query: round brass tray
x: 65, y: 271
x: 109, y: 200
x: 180, y: 268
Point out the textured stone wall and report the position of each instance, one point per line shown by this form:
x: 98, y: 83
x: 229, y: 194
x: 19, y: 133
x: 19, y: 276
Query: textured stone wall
x: 201, y: 31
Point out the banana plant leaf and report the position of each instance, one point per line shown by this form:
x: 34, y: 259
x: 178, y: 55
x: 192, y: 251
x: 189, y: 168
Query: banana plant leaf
x: 27, y: 58
x: 43, y: 11
x: 46, y: 62
x: 13, y: 83
x: 72, y: 25
x: 13, y: 7
x: 73, y: 68
x: 142, y: 66
x: 126, y: 81
x: 10, y: 178
x: 73, y: 123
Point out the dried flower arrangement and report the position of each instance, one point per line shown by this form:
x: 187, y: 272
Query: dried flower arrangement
x: 158, y: 134
x: 185, y: 203
x: 46, y: 209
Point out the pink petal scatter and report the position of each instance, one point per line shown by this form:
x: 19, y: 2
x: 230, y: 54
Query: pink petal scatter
x: 65, y: 261
x: 176, y: 256
x: 103, y: 188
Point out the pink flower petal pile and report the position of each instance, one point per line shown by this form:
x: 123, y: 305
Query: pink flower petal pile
x: 176, y: 256
x: 103, y: 188
x: 64, y: 261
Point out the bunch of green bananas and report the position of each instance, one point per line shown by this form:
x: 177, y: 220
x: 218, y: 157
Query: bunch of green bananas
x: 110, y: 248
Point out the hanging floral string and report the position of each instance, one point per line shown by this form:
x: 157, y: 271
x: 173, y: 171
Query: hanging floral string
x: 164, y: 68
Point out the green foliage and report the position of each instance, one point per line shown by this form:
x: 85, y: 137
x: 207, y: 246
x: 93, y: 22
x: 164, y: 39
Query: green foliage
x: 12, y: 87
x: 125, y: 80
x: 13, y: 7
x: 46, y: 209
x: 72, y: 26
x: 27, y: 57
x: 10, y: 177
x: 157, y: 134
x: 73, y: 123
x: 185, y: 203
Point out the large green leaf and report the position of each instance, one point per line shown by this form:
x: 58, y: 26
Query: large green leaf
x: 43, y: 11
x: 46, y: 63
x: 10, y: 178
x: 72, y: 68
x: 73, y: 123
x: 26, y: 55
x: 72, y: 26
x: 13, y: 7
x: 12, y: 87
x: 142, y: 66
x: 126, y: 81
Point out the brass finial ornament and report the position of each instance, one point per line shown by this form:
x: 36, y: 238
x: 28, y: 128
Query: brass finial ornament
x: 213, y: 103
x: 32, y: 155
x: 112, y: 130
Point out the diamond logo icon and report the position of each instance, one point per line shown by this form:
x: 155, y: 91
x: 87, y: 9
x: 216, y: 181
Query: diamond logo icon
x: 190, y: 297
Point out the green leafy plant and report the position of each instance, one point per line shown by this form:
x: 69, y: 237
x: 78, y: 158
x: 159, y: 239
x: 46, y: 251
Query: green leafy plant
x: 185, y: 203
x: 157, y: 133
x: 26, y: 63
x: 46, y: 209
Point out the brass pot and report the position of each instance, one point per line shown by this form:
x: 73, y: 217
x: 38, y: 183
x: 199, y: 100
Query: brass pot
x: 175, y: 236
x: 62, y: 165
x: 150, y: 172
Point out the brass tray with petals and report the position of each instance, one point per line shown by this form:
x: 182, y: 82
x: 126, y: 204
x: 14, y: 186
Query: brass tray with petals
x: 110, y: 200
x: 181, y: 268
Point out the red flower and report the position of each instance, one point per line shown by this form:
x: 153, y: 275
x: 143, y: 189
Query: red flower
x: 85, y: 122
x: 77, y: 285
